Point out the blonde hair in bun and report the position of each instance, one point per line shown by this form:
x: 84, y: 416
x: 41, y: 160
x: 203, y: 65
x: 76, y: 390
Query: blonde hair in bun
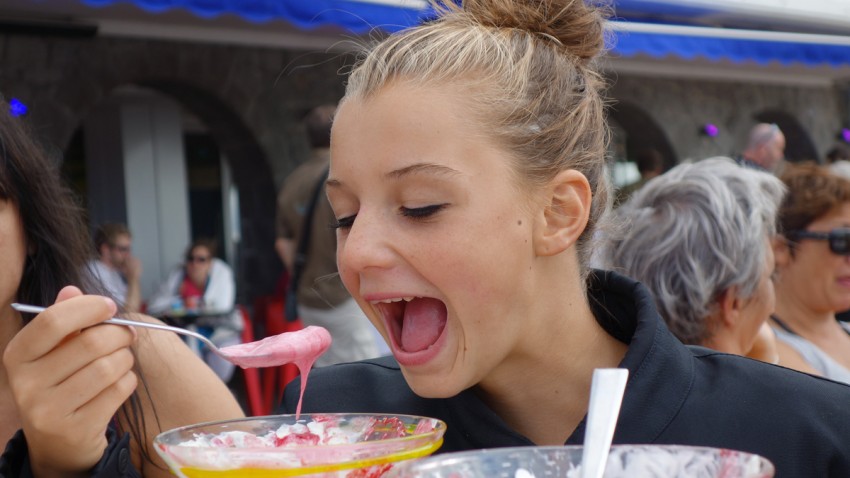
x: 527, y: 72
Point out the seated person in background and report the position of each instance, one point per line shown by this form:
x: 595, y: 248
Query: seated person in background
x: 204, y: 287
x: 116, y: 267
x: 467, y: 175
x: 813, y: 272
x: 699, y: 237
x: 79, y: 398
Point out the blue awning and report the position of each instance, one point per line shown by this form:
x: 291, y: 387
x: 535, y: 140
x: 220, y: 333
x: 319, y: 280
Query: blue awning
x: 658, y: 40
x: 739, y: 46
x: 356, y: 16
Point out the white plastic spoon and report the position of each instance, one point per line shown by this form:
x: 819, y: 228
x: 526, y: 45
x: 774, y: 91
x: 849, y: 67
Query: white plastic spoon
x: 606, y: 396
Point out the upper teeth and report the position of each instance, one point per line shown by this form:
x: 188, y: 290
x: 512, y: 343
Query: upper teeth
x: 396, y: 299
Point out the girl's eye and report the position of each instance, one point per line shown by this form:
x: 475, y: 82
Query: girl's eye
x: 422, y: 212
x: 344, y: 222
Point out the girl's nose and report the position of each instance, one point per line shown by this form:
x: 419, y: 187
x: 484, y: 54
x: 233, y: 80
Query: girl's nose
x: 367, y: 244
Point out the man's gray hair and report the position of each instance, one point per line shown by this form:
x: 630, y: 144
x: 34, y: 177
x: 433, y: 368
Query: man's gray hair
x: 692, y: 234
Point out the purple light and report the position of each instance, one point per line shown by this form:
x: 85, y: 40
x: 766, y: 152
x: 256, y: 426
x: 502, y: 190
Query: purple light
x: 711, y: 130
x: 845, y: 134
x: 16, y: 108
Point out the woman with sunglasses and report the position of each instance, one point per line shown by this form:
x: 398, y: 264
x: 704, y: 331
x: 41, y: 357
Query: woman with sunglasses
x: 813, y: 272
x: 203, y: 288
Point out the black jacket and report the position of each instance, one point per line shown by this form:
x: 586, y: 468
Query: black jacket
x: 115, y: 462
x: 675, y: 395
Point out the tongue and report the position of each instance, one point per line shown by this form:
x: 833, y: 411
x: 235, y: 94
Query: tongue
x: 423, y: 322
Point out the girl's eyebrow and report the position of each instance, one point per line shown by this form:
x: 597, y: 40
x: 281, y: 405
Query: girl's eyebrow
x: 426, y: 168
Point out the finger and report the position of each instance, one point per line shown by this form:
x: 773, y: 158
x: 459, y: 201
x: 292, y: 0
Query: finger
x: 68, y: 292
x: 52, y: 434
x: 72, y: 355
x: 49, y: 328
x: 56, y: 407
x: 105, y: 405
x: 91, y: 381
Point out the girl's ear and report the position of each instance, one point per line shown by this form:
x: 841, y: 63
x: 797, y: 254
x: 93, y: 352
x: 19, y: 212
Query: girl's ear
x: 566, y: 210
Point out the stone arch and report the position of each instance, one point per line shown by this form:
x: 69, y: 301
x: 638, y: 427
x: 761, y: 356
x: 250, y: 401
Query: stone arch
x: 256, y: 266
x: 252, y: 94
x: 642, y: 132
x: 799, y: 145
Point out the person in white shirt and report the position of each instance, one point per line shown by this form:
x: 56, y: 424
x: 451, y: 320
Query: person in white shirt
x: 117, y: 269
x: 203, y: 291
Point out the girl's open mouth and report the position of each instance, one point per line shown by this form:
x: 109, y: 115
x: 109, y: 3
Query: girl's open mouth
x: 415, y: 323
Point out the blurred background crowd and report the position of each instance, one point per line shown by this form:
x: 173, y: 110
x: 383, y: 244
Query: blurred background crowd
x: 178, y: 124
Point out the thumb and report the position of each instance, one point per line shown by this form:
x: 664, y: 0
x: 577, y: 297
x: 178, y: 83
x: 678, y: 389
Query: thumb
x: 68, y: 292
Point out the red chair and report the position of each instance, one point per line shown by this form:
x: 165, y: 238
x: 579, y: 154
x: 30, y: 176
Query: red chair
x: 253, y: 390
x: 269, y: 311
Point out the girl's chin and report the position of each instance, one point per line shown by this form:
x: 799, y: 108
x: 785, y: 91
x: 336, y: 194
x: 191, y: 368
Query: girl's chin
x: 431, y: 385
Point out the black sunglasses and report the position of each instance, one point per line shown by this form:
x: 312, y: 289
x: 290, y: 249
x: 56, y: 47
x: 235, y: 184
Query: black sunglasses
x: 839, y: 239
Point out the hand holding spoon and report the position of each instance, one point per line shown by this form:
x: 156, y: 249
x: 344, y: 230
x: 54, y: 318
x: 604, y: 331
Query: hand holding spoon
x: 300, y: 347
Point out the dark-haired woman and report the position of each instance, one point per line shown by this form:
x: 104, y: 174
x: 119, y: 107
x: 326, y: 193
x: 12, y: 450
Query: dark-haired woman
x: 78, y: 398
x: 467, y: 172
x: 204, y: 285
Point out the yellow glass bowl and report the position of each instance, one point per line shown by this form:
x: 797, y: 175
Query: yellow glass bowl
x: 364, y: 445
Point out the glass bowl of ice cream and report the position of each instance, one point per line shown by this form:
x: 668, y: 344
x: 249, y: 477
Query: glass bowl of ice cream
x: 624, y: 461
x: 326, y: 445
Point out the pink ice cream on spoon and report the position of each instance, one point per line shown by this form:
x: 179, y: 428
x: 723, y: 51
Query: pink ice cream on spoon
x: 301, y: 347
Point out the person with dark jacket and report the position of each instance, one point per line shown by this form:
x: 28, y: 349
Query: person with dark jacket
x: 467, y: 174
x: 676, y: 395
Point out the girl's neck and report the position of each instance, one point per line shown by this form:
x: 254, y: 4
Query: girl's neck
x: 543, y: 391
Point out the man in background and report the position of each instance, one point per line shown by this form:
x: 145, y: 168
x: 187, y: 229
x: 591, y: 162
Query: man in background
x: 321, y: 297
x: 116, y: 268
x: 765, y: 148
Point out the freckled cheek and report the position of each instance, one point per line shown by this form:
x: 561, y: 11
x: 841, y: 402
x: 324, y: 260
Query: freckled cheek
x: 344, y: 271
x: 476, y: 278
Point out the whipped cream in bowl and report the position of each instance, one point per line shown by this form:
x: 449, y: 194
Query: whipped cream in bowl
x: 326, y: 445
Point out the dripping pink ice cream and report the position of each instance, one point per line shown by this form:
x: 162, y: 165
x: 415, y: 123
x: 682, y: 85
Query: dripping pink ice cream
x: 301, y: 347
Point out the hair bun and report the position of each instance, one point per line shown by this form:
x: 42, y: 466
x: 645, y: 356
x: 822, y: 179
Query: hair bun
x: 575, y: 24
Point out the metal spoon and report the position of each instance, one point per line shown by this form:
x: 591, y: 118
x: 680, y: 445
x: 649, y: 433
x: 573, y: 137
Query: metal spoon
x: 302, y: 346
x: 606, y: 396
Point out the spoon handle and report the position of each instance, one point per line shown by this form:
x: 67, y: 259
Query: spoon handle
x: 35, y: 309
x: 606, y: 396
